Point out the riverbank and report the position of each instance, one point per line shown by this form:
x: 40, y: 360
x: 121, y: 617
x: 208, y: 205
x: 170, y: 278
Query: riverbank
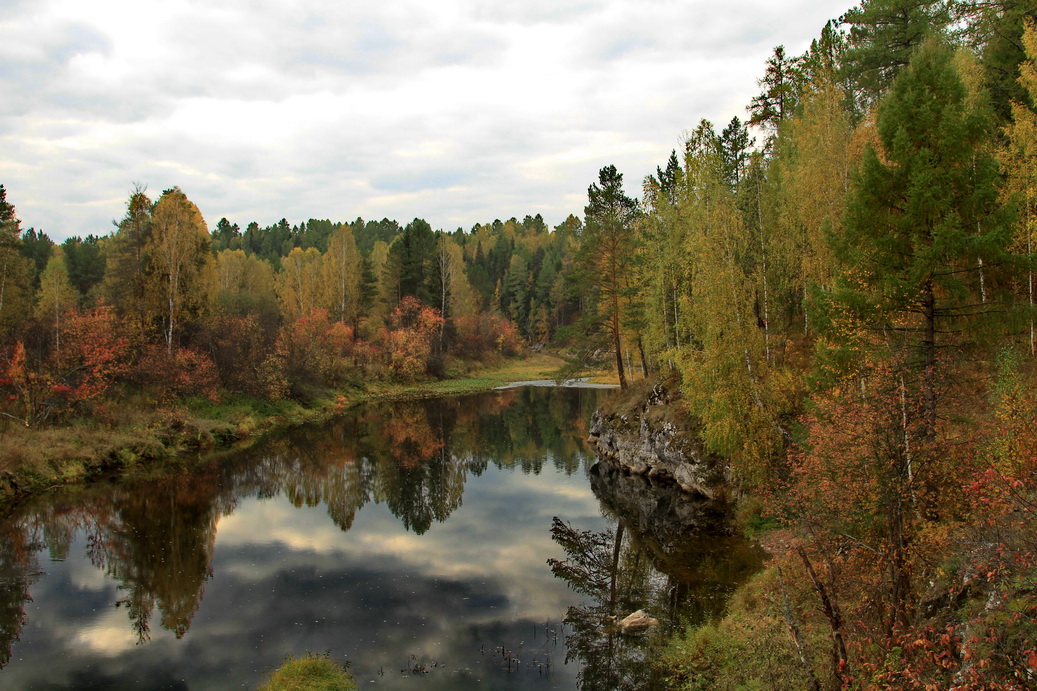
x: 133, y: 431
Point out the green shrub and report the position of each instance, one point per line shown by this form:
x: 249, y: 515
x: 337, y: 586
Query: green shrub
x: 749, y: 649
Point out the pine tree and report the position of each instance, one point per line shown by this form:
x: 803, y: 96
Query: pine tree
x: 923, y: 219
x: 607, y: 248
x: 410, y: 263
x: 735, y: 147
x: 14, y: 269
x: 38, y: 248
x: 85, y: 259
x: 883, y: 35
x: 995, y: 32
x: 780, y: 84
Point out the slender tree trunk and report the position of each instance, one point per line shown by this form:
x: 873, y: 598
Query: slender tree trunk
x: 619, y: 362
x: 804, y: 659
x: 763, y: 256
x: 444, y: 288
x: 929, y: 396
x: 907, y: 443
x: 618, y: 340
x: 900, y: 581
x: 3, y: 279
x: 979, y: 260
x: 676, y: 317
x: 982, y: 282
x: 171, y: 300
x: 835, y: 622
x: 342, y: 288
x: 139, y: 287
x: 57, y: 328
x: 644, y: 360
x: 806, y: 316
x: 1029, y: 276
x: 614, y: 575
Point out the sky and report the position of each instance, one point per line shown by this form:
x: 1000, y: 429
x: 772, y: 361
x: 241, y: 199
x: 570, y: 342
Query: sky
x: 456, y: 111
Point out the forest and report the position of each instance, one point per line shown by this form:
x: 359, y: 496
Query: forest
x: 841, y: 288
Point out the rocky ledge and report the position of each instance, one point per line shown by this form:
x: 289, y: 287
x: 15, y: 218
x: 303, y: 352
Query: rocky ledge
x: 648, y: 442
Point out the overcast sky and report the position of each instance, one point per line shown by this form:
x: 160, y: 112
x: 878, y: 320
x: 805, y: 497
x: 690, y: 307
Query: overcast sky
x: 457, y: 111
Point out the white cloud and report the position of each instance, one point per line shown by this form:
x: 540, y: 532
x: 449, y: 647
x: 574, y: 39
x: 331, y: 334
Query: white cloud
x: 458, y: 111
x: 107, y: 635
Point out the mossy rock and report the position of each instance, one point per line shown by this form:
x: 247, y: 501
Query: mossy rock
x: 312, y: 672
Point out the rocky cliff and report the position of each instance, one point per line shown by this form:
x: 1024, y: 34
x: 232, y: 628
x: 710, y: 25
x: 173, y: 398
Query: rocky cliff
x: 650, y: 440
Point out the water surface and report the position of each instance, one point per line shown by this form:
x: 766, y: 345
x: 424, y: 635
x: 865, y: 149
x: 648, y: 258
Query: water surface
x: 456, y: 543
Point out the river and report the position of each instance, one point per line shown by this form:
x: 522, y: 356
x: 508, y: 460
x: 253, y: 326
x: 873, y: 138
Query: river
x: 455, y: 543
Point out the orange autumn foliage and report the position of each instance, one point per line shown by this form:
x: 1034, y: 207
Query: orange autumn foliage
x: 412, y: 441
x: 481, y: 334
x: 311, y: 350
x: 94, y: 355
x: 412, y: 338
x: 180, y: 373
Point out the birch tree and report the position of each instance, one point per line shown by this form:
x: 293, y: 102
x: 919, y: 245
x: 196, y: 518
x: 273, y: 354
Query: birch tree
x: 1019, y: 159
x: 300, y: 285
x: 182, y: 275
x: 342, y: 275
x: 56, y: 296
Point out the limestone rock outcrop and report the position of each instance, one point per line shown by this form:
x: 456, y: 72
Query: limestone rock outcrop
x: 648, y: 442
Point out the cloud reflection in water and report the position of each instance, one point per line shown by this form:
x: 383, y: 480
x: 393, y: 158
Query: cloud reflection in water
x: 367, y: 551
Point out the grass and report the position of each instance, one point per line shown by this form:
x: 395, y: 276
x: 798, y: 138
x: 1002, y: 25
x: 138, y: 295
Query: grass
x: 609, y: 377
x: 135, y: 430
x: 536, y: 366
x: 312, y: 672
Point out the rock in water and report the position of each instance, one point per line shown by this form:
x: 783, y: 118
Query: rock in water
x: 638, y: 621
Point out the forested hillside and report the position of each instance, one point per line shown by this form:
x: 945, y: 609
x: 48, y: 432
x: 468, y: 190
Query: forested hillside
x: 841, y: 287
x: 849, y: 311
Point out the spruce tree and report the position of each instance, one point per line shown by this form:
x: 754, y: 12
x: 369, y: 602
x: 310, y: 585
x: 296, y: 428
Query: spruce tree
x: 126, y: 276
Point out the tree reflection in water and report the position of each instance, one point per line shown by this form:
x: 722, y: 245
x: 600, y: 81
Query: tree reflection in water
x: 19, y: 569
x: 597, y: 565
x: 668, y: 555
x: 159, y: 545
x: 155, y: 536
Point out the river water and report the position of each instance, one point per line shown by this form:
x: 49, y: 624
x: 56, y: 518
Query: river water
x: 457, y: 543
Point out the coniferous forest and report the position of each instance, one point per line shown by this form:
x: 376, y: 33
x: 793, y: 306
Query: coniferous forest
x: 840, y: 287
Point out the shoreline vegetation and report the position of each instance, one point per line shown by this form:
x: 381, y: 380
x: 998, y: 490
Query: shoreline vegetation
x: 37, y: 460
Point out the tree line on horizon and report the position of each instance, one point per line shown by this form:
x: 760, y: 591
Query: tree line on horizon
x: 272, y: 311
